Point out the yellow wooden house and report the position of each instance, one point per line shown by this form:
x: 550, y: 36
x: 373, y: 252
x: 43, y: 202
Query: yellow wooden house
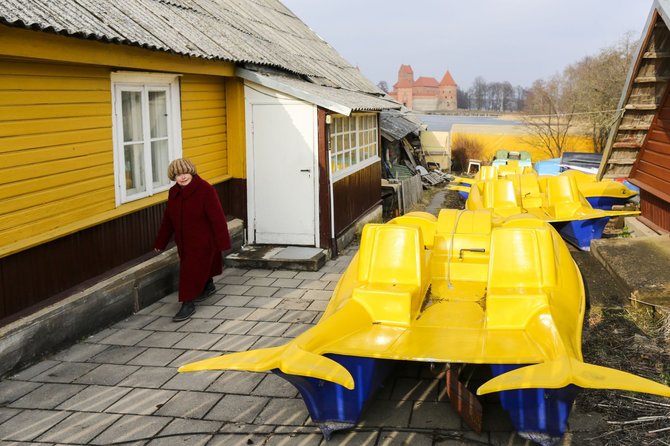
x: 97, y: 97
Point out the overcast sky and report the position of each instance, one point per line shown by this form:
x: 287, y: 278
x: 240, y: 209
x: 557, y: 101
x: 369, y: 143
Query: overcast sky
x: 501, y: 40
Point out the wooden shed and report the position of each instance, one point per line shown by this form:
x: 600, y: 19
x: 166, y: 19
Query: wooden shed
x: 638, y: 147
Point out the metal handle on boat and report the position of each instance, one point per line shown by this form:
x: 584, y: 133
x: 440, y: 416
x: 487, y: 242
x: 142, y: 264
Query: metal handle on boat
x: 460, y: 253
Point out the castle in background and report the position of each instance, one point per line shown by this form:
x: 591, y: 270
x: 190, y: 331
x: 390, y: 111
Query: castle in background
x: 424, y: 94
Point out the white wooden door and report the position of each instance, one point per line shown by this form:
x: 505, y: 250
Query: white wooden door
x: 283, y: 174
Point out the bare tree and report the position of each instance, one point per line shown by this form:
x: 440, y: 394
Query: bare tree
x: 478, y: 93
x: 462, y: 99
x: 383, y: 86
x: 520, y: 94
x: 546, y: 119
x: 498, y: 96
x: 594, y: 86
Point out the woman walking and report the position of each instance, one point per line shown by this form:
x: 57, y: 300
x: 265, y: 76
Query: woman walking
x: 195, y: 217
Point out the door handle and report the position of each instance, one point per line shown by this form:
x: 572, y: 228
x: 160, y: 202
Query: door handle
x: 305, y: 170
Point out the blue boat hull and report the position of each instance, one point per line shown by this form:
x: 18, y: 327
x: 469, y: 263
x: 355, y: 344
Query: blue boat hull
x: 537, y: 414
x: 606, y: 203
x: 540, y: 415
x: 334, y: 407
x: 581, y: 232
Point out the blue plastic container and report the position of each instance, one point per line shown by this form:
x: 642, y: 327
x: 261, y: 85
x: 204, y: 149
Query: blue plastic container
x: 548, y: 167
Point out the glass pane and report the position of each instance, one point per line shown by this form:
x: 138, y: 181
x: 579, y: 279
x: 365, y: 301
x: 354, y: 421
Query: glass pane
x: 346, y: 145
x: 134, y: 168
x: 340, y: 162
x: 340, y: 143
x: 354, y: 156
x: 338, y: 125
x: 159, y: 162
x: 158, y: 113
x: 131, y: 110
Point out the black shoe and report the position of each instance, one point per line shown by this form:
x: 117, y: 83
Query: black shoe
x: 208, y: 291
x: 186, y: 311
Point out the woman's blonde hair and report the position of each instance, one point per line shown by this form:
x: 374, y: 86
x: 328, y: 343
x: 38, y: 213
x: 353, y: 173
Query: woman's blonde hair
x: 180, y: 166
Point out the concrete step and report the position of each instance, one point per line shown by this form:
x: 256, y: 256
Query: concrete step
x: 297, y: 258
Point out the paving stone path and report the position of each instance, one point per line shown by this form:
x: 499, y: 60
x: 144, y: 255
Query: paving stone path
x: 121, y: 385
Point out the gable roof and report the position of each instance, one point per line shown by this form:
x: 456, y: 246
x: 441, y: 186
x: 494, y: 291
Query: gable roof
x: 395, y: 125
x: 258, y: 32
x: 425, y: 81
x: 403, y: 83
x: 447, y: 80
x: 644, y: 90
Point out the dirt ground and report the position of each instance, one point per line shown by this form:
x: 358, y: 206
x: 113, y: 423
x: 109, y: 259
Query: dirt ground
x: 634, y: 339
x: 617, y: 335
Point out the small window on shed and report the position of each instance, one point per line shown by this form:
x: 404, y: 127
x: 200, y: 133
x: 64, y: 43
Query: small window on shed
x: 353, y: 143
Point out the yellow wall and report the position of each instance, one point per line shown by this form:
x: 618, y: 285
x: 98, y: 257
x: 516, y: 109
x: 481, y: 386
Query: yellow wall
x: 203, y: 115
x: 55, y: 146
x: 56, y: 153
x: 491, y: 142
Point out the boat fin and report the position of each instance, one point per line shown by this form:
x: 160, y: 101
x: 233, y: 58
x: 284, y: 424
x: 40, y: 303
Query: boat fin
x: 620, y: 213
x: 564, y: 371
x: 290, y: 359
x: 259, y: 360
x: 298, y: 357
x: 459, y: 188
x: 552, y: 374
x: 463, y: 180
x: 598, y: 377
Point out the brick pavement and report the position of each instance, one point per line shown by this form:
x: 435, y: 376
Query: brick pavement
x: 121, y: 385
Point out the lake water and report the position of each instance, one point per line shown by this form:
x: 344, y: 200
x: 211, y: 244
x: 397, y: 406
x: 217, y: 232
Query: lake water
x: 443, y: 123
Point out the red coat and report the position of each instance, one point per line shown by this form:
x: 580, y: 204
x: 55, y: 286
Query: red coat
x: 195, y: 216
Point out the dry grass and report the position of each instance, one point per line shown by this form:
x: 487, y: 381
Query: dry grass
x: 464, y: 149
x: 633, y: 339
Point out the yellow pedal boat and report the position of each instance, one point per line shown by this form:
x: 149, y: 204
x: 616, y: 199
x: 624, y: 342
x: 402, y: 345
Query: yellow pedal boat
x: 603, y: 194
x: 454, y: 289
x: 555, y: 199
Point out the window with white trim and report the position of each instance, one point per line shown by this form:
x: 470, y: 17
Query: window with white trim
x: 353, y: 143
x: 147, y: 132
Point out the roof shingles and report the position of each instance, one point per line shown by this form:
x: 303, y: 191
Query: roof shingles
x: 262, y: 32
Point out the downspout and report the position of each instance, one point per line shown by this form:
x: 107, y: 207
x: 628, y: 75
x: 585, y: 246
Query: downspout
x: 333, y: 238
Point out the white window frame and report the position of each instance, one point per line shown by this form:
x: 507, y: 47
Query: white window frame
x: 144, y: 82
x: 358, y: 146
